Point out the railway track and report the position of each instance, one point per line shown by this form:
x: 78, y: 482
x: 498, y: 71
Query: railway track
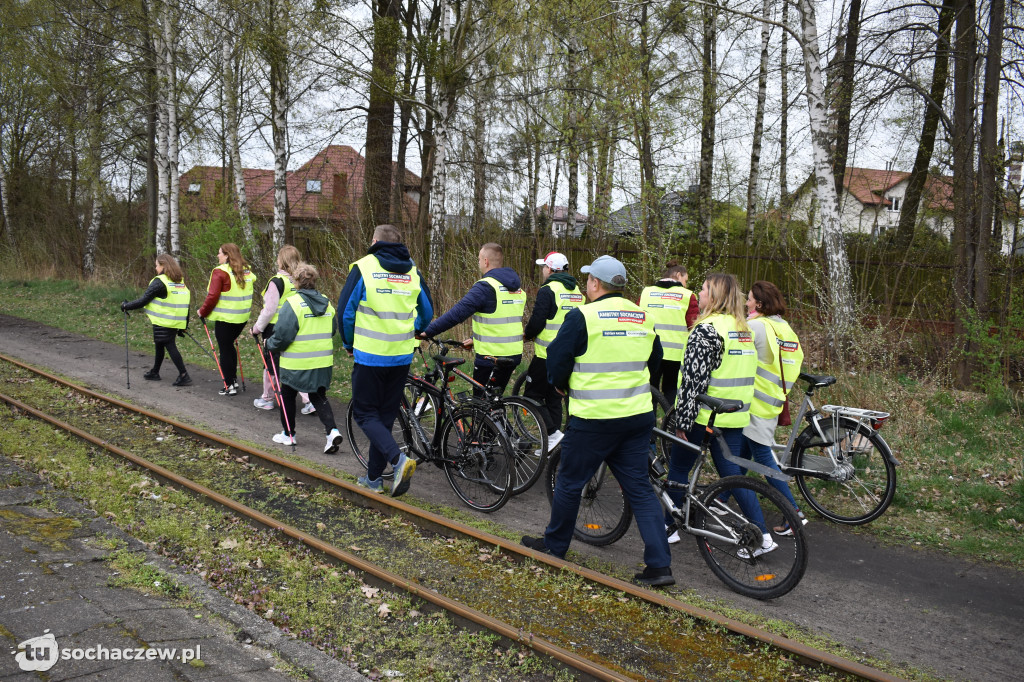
x: 544, y: 625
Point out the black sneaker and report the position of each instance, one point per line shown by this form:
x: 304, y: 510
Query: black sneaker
x: 655, y: 577
x: 536, y: 544
x: 151, y: 375
x: 182, y: 380
x: 230, y: 389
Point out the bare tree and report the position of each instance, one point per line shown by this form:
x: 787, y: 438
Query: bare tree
x: 755, y: 144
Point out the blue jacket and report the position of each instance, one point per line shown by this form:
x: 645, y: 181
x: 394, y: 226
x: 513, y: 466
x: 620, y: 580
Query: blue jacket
x: 479, y: 299
x: 393, y: 257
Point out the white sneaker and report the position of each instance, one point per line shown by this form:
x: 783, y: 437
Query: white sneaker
x: 554, y: 438
x: 674, y: 538
x: 333, y: 442
x: 767, y: 545
x: 308, y: 408
x: 284, y: 439
x: 263, y: 404
x: 230, y: 390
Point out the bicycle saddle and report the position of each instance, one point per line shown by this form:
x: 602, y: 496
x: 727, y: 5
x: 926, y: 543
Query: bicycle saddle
x: 503, y: 362
x: 817, y: 380
x: 720, y: 405
x: 446, y: 361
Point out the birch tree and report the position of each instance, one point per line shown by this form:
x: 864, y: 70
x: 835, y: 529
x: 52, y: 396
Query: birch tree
x: 755, y: 143
x: 229, y: 63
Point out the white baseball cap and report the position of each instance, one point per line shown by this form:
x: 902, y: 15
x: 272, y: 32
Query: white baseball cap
x: 554, y: 260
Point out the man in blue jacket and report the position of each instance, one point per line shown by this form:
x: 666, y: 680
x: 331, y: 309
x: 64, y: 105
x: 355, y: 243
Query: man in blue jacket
x: 496, y: 303
x: 384, y: 303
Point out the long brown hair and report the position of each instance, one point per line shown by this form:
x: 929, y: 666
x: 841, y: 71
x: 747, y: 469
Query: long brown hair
x: 769, y: 298
x: 171, y: 267
x: 235, y: 260
x: 725, y: 298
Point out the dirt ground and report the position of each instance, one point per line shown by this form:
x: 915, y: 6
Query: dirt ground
x: 957, y: 618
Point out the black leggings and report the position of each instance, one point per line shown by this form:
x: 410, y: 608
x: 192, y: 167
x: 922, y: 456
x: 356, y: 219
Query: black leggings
x: 166, y: 338
x: 666, y: 379
x: 319, y: 400
x: 226, y: 333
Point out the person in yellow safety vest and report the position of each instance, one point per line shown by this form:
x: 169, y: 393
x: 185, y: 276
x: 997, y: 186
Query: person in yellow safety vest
x: 602, y: 354
x: 385, y: 301
x: 227, y: 305
x: 674, y: 309
x: 558, y: 295
x: 304, y: 336
x: 779, y: 357
x: 279, y: 287
x: 721, y: 361
x: 496, y: 303
x: 166, y: 301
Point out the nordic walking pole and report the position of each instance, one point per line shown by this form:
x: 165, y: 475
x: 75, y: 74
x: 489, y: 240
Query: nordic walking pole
x: 215, y: 358
x: 241, y: 374
x: 199, y: 346
x: 127, y: 376
x: 276, y: 383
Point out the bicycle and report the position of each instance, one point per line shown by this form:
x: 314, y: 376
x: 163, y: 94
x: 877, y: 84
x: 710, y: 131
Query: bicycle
x: 467, y: 444
x: 728, y: 541
x: 842, y: 465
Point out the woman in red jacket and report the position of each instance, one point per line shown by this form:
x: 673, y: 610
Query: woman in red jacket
x: 228, y: 303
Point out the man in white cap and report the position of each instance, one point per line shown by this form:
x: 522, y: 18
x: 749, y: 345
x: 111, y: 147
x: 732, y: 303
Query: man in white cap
x: 559, y: 294
x: 601, y: 355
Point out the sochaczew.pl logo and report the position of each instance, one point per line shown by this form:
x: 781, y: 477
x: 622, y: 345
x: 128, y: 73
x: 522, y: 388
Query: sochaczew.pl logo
x: 39, y: 654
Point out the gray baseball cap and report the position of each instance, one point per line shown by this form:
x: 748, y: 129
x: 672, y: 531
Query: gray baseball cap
x: 607, y: 269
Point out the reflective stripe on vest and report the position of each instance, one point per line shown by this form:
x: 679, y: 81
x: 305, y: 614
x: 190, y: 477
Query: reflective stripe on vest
x: 171, y: 311
x: 768, y: 394
x: 734, y: 378
x: 312, y: 347
x: 286, y: 292
x: 565, y: 301
x: 668, y: 308
x: 603, y: 385
x: 235, y: 303
x: 386, y: 320
x: 500, y: 333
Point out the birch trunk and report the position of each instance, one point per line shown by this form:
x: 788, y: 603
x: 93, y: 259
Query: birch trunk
x: 784, y: 114
x: 95, y: 179
x: 171, y: 99
x: 4, y: 207
x: 534, y: 173
x: 839, y: 312
x: 231, y: 123
x: 279, y: 121
x: 989, y: 155
x: 755, y: 146
x: 438, y: 180
x: 709, y: 98
x: 163, y: 177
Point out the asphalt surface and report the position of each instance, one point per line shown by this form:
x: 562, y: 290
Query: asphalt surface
x: 956, y: 618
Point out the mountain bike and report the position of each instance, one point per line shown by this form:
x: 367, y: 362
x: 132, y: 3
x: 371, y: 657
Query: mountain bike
x: 465, y: 442
x: 842, y: 465
x: 729, y: 540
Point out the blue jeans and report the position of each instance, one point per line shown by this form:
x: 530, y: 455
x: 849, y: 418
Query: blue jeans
x: 376, y: 399
x: 681, y: 461
x: 626, y: 455
x: 763, y: 455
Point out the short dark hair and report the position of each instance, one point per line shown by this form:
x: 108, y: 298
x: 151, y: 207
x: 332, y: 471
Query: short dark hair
x: 673, y: 268
x: 769, y: 298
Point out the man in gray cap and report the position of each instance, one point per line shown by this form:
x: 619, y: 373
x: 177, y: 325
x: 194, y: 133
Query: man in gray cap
x: 602, y: 356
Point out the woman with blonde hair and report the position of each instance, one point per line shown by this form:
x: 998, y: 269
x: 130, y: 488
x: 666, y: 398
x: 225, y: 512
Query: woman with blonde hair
x: 278, y: 289
x: 228, y: 303
x: 166, y: 302
x: 721, y: 361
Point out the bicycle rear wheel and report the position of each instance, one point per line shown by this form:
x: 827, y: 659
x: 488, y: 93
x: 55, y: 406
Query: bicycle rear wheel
x: 604, y: 513
x: 741, y: 565
x: 528, y: 437
x: 478, y: 459
x: 857, y: 480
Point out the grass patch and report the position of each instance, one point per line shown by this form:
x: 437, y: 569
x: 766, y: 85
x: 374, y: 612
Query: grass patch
x: 133, y: 572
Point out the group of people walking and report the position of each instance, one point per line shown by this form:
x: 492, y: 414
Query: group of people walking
x: 591, y: 344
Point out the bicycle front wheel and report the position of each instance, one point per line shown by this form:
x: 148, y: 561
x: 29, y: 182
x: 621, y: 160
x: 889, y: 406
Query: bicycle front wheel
x: 604, y: 513
x: 478, y: 459
x: 856, y: 477
x: 528, y: 437
x: 735, y: 548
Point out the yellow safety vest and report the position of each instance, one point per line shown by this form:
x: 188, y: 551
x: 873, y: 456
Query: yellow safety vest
x: 286, y: 291
x: 385, y: 321
x: 171, y: 311
x: 734, y: 378
x: 768, y: 394
x: 611, y: 379
x: 312, y: 347
x: 500, y: 333
x: 565, y: 300
x: 235, y: 303
x: 668, y: 308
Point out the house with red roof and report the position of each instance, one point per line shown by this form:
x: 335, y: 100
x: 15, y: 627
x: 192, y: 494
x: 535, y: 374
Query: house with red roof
x: 326, y: 192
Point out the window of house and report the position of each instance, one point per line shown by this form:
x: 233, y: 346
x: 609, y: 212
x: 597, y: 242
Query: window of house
x: 894, y: 204
x: 194, y: 188
x: 313, y: 186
